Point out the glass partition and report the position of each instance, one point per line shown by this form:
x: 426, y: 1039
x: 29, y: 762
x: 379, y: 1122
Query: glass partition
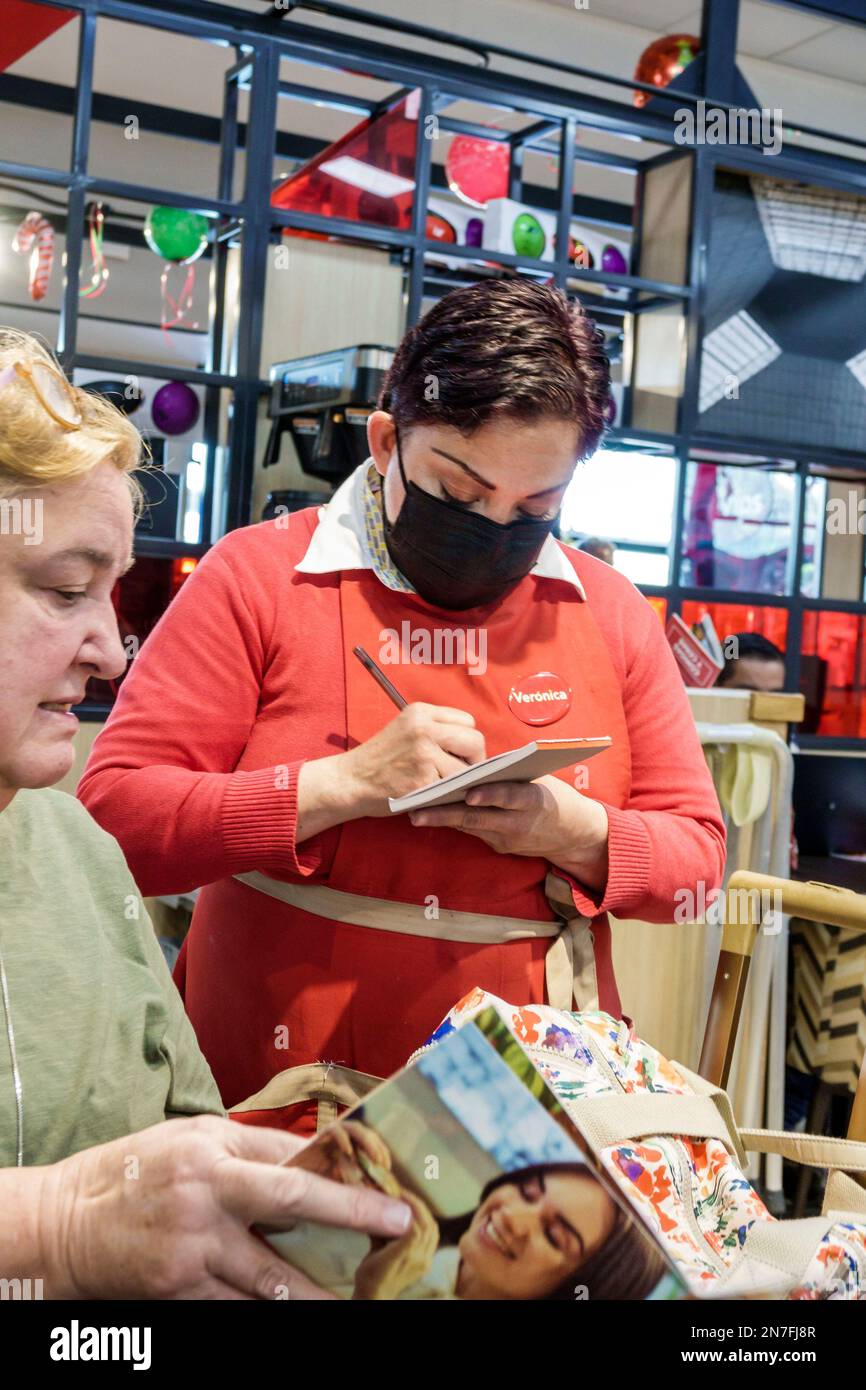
x: 833, y: 673
x: 738, y: 527
x: 730, y: 618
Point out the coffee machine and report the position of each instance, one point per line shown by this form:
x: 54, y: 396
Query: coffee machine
x: 324, y: 401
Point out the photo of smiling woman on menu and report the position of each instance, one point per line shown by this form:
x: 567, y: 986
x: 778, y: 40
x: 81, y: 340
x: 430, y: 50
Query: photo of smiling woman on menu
x: 504, y: 1203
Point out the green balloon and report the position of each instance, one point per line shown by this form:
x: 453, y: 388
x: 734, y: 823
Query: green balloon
x: 176, y: 234
x: 528, y: 236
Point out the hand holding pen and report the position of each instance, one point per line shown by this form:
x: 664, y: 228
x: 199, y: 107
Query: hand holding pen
x: 424, y: 743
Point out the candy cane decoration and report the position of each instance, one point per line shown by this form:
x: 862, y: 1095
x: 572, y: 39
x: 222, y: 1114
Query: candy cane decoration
x: 174, y: 311
x: 98, y: 268
x: 36, y: 237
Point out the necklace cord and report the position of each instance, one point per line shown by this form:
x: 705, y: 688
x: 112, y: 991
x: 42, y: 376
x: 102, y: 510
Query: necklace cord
x: 16, y: 1073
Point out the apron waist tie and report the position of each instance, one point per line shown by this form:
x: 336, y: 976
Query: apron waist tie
x: 569, y: 968
x: 570, y: 974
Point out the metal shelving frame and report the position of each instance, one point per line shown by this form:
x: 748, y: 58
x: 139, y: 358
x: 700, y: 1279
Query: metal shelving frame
x: 559, y: 108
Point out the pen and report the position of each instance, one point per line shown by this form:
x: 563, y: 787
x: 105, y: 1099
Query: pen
x: 379, y: 676
x: 390, y: 690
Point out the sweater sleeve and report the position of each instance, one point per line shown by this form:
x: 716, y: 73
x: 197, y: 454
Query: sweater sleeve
x: 162, y: 777
x: 671, y: 836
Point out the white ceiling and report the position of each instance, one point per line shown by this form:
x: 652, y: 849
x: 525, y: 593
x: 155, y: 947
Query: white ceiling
x: 839, y: 52
x: 767, y: 30
x: 147, y: 64
x: 777, y: 33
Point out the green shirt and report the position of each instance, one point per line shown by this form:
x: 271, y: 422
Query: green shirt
x: 104, y: 1046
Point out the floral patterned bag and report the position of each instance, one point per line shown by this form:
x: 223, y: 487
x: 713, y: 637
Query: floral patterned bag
x: 669, y: 1141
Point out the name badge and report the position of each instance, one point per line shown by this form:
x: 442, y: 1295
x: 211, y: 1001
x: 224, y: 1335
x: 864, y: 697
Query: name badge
x: 540, y: 699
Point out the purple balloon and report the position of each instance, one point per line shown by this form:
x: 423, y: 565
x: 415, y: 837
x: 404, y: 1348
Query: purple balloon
x: 613, y: 261
x: 175, y: 408
x: 475, y: 232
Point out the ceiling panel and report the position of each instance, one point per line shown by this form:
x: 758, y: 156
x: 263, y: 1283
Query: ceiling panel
x: 767, y: 29
x: 840, y: 52
x: 657, y: 15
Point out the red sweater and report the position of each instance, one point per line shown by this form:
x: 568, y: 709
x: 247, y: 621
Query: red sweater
x: 167, y: 776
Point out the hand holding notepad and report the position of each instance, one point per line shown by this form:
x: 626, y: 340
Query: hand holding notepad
x: 526, y: 764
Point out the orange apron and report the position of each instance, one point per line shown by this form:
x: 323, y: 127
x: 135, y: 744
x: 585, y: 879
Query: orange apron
x: 290, y: 987
x: 555, y: 633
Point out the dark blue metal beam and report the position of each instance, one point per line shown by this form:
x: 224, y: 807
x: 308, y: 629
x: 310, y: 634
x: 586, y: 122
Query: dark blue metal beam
x: 423, y: 164
x: 719, y: 24
x: 76, y: 198
x: 565, y: 211
x: 253, y: 278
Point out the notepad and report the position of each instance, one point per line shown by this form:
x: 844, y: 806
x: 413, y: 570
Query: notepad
x: 536, y: 759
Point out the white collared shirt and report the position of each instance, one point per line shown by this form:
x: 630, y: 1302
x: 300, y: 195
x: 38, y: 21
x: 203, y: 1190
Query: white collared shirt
x: 341, y: 541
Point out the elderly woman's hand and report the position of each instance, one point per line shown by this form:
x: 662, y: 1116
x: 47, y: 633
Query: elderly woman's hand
x: 547, y: 818
x: 167, y: 1214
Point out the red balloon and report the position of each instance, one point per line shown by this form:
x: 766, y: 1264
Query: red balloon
x: 477, y: 170
x: 438, y: 229
x: 663, y: 61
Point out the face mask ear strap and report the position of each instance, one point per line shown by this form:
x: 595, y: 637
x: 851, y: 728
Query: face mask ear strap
x: 400, y: 457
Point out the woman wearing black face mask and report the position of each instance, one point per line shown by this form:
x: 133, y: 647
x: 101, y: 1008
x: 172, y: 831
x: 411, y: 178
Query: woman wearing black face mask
x: 454, y: 557
x: 250, y: 752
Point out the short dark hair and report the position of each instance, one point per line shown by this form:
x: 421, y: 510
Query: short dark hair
x: 752, y: 644
x: 593, y: 544
x: 503, y: 348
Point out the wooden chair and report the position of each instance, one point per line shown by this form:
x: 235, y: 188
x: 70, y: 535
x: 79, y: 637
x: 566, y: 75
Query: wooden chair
x: 748, y: 897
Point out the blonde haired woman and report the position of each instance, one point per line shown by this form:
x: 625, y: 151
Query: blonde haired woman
x: 96, y: 1053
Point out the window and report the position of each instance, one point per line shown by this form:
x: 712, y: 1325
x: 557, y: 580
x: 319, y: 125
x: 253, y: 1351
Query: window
x: 628, y: 498
x: 738, y: 527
